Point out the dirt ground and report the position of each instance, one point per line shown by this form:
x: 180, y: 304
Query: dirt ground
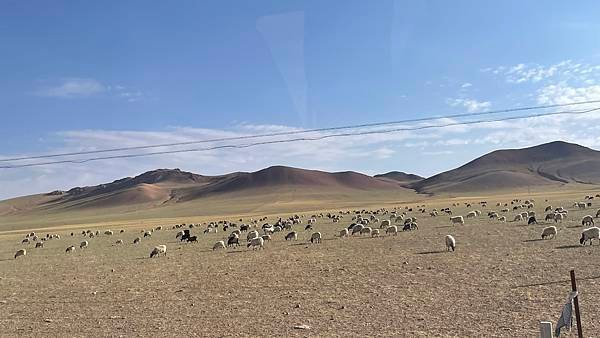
x: 500, y: 282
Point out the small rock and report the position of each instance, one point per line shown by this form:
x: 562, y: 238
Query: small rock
x: 48, y: 320
x: 419, y: 268
x: 94, y: 293
x: 302, y: 327
x: 297, y: 306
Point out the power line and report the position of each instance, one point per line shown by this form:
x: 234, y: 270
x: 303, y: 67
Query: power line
x: 316, y: 138
x: 296, y: 132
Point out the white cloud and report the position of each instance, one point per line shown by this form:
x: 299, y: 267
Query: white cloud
x: 86, y: 87
x: 562, y: 93
x: 471, y: 104
x: 566, y: 70
x: 73, y: 87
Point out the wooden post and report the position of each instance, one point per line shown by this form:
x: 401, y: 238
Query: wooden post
x: 576, y: 301
x: 546, y: 330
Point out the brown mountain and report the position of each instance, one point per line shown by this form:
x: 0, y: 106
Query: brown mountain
x: 554, y: 163
x: 401, y: 177
x: 172, y: 186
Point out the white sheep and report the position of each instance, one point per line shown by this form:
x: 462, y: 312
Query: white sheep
x: 366, y: 230
x: 450, y: 243
x: 83, y: 245
x: 70, y: 249
x: 472, y: 214
x: 219, y: 245
x: 549, y: 231
x: 119, y: 241
x: 158, y: 250
x: 590, y: 234
x: 315, y: 237
x: 375, y: 233
x: 21, y: 252
x: 392, y: 229
x: 108, y: 232
x: 587, y: 220
x: 137, y: 240
x: 344, y: 233
x: 257, y: 243
x: 252, y: 235
x: 457, y: 220
x: 518, y: 218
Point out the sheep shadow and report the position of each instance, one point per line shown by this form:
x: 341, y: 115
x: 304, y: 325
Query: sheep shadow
x: 574, y: 226
x: 236, y: 251
x: 7, y: 259
x: 568, y: 247
x: 431, y: 252
x: 444, y: 226
x: 533, y: 240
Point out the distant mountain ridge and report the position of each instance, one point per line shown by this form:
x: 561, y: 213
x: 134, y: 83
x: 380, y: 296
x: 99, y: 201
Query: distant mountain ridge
x: 551, y: 164
x: 554, y: 163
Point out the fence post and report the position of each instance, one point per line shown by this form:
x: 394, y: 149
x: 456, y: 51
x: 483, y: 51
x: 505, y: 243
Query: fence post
x: 545, y: 329
x: 576, y: 301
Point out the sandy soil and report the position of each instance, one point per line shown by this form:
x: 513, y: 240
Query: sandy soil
x: 501, y: 282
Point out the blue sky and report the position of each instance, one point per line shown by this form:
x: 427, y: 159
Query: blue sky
x: 90, y: 75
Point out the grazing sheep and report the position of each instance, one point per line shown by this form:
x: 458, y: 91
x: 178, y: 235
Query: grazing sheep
x: 589, y: 234
x: 518, y: 218
x: 257, y: 243
x: 193, y: 239
x: 598, y: 213
x: 366, y: 230
x: 343, y: 233
x: 83, y: 245
x: 233, y: 241
x: 70, y: 249
x: 502, y: 219
x: 392, y: 229
x: 532, y: 220
x: 148, y: 234
x: 358, y: 228
x: 219, y: 245
x: 587, y: 220
x: 108, y: 232
x: 137, y: 240
x: 158, y: 250
x: 384, y: 224
x: 410, y: 227
x: 316, y: 237
x: 450, y: 243
x: 39, y: 245
x: 179, y: 234
x: 25, y: 241
x: 457, y: 220
x: 559, y: 217
x: 21, y: 252
x: 294, y: 236
x: 266, y: 237
x: 252, y: 235
x: 549, y: 231
x: 375, y: 233
x: 119, y: 241
x: 472, y: 214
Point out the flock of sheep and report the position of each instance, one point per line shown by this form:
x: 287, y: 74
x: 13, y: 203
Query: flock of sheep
x: 363, y: 222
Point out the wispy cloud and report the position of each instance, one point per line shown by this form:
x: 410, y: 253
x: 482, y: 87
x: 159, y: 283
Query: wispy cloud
x: 471, y: 105
x: 71, y: 88
x: 534, y: 73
